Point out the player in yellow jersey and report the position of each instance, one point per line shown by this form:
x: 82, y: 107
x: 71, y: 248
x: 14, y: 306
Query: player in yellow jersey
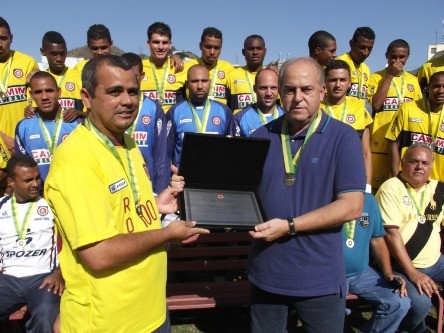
x: 241, y: 80
x: 164, y: 77
x: 322, y: 47
x: 428, y: 68
x: 98, y: 39
x: 388, y: 89
x: 361, y: 45
x: 420, y: 121
x: 347, y: 109
x: 211, y: 47
x: 113, y: 259
x: 14, y: 68
x: 4, y: 158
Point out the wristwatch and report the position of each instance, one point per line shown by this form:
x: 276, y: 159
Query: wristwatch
x: 291, y: 227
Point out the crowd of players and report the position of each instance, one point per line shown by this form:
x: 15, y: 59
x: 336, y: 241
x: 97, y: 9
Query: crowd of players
x: 39, y: 110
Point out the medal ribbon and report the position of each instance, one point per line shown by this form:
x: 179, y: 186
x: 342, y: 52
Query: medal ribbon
x: 51, y: 143
x: 130, y: 131
x: 360, y: 76
x: 201, y: 125
x: 253, y: 94
x: 130, y: 175
x: 4, y: 82
x: 349, y: 228
x: 419, y: 208
x: 160, y: 89
x: 441, y: 119
x: 264, y: 118
x: 400, y: 94
x: 21, y: 231
x: 331, y: 113
x: 291, y: 168
x: 213, y: 78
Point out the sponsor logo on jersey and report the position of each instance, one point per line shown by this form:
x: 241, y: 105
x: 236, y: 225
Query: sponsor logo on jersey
x: 15, y: 94
x: 406, y: 200
x: 216, y: 121
x: 364, y: 221
x: 42, y: 210
x: 169, y: 97
x: 70, y: 86
x: 354, y: 91
x: 141, y: 138
x: 4, y: 215
x: 438, y: 142
x: 66, y: 103
x: 146, y: 120
x: 219, y: 91
x: 117, y: 186
x: 244, y: 100
x: 28, y: 253
x: 18, y: 73
x: 34, y: 136
x: 239, y: 81
x: 391, y: 103
x: 410, y: 87
x: 186, y: 120
x: 221, y: 74
x: 350, y: 118
x: 415, y: 120
x: 41, y: 156
x: 171, y: 78
x: 64, y: 136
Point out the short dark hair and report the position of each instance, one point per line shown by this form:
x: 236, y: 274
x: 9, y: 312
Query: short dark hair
x: 159, y: 28
x: 5, y: 24
x: 41, y: 75
x: 89, y: 72
x: 253, y: 37
x: 211, y: 32
x: 19, y: 160
x: 53, y: 37
x: 398, y: 43
x: 319, y: 39
x: 365, y: 32
x: 434, y: 75
x: 336, y: 64
x: 134, y: 60
x: 98, y: 31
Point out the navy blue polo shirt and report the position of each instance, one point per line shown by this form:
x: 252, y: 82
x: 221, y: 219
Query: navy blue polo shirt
x: 310, y: 264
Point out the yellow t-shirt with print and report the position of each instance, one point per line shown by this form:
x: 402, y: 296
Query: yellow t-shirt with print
x: 90, y: 194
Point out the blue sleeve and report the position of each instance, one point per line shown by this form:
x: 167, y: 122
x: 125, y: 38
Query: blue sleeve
x: 230, y: 128
x: 170, y: 135
x: 19, y: 145
x: 371, y: 206
x: 161, y: 167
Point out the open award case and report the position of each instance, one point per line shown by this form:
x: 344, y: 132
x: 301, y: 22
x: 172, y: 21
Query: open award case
x: 222, y: 176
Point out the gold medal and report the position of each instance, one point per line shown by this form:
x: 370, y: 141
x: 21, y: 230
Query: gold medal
x: 289, y: 179
x: 421, y: 219
x: 350, y: 243
x: 161, y: 101
x: 139, y: 210
x: 4, y: 96
x: 22, y: 243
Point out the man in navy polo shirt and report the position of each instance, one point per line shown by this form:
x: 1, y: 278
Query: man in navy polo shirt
x: 313, y: 181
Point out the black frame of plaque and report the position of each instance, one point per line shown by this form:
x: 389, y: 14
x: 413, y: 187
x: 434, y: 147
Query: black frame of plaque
x: 218, y: 170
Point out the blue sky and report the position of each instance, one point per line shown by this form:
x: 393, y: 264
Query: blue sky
x: 286, y: 25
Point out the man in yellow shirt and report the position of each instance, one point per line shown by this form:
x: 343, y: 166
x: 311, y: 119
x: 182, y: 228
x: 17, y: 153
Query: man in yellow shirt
x: 113, y: 258
x: 427, y: 70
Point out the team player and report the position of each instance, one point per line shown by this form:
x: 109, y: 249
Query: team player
x: 115, y: 268
x: 28, y: 269
x: 39, y: 136
x: 98, y: 39
x: 361, y: 45
x: 164, y: 78
x: 148, y: 131
x: 322, y: 47
x: 428, y: 68
x: 347, y: 109
x: 374, y: 285
x: 420, y: 121
x: 265, y: 109
x: 198, y: 114
x: 412, y: 210
x: 388, y: 90
x: 241, y: 80
x: 211, y: 47
x: 14, y: 68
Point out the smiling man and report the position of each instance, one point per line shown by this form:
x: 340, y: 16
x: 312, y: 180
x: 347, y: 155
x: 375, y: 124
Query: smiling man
x: 420, y: 121
x: 39, y: 136
x: 412, y: 210
x: 114, y: 258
